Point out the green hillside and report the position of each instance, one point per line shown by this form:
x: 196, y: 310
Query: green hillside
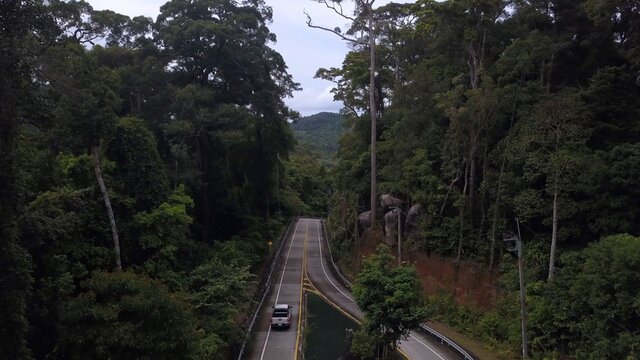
x: 320, y: 133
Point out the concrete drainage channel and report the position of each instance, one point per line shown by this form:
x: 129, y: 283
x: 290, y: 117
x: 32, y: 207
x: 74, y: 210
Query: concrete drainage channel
x: 266, y: 286
x: 424, y: 328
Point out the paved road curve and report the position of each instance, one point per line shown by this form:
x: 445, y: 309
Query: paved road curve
x: 417, y: 346
x: 287, y: 288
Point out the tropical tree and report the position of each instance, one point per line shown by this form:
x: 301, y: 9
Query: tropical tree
x: 123, y: 315
x: 391, y: 298
x: 25, y: 27
x: 599, y: 314
x: 361, y: 33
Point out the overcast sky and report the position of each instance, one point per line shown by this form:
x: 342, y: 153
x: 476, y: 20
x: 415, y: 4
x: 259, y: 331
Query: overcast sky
x: 305, y: 50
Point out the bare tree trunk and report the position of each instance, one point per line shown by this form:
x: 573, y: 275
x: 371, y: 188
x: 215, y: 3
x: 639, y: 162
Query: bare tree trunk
x: 483, y: 198
x: 554, y: 230
x: 472, y: 177
x: 550, y: 70
x: 496, y: 207
x: 107, y: 204
x: 175, y: 173
x: 494, y: 224
x: 459, y: 254
x: 444, y: 203
x: 372, y: 110
x: 466, y: 178
x: 462, y: 206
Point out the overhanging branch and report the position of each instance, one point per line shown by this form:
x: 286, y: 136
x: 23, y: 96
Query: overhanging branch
x: 333, y: 31
x: 338, y: 10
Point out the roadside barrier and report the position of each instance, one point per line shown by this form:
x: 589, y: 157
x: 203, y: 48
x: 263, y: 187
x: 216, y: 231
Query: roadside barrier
x: 266, y: 285
x: 429, y: 331
x: 445, y: 340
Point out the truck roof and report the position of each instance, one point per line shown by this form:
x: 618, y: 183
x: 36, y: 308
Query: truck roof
x: 281, y: 307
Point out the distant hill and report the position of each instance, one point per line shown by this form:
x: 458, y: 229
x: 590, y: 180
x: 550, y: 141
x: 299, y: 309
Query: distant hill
x: 320, y: 133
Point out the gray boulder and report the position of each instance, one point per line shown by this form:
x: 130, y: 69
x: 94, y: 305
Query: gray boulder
x: 364, y: 221
x: 412, y: 219
x: 391, y: 226
x: 388, y: 201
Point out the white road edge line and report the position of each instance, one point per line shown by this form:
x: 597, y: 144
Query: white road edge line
x: 427, y: 346
x: 345, y: 295
x: 266, y: 340
x: 322, y: 265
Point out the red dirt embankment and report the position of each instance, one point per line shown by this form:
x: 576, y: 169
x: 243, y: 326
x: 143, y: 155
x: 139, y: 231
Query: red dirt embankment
x: 471, y: 283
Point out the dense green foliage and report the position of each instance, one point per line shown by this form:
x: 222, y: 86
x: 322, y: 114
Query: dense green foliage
x: 597, y: 292
x: 306, y: 186
x: 320, y: 133
x: 491, y: 110
x: 171, y: 134
x: 124, y: 316
x: 391, y: 298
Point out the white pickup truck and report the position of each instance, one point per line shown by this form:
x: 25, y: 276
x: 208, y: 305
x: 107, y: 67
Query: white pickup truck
x: 281, y: 316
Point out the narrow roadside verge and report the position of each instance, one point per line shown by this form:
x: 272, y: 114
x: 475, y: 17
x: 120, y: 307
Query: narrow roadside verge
x: 475, y: 346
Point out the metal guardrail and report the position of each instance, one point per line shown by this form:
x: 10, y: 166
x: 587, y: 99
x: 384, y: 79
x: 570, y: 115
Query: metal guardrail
x: 266, y: 287
x: 443, y: 339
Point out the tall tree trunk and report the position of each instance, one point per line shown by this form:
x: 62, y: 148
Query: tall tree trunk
x: 472, y: 177
x: 554, y: 230
x: 553, y: 55
x: 175, y: 173
x: 461, y: 236
x: 444, y: 202
x: 107, y: 204
x: 462, y: 206
x: 372, y: 110
x: 483, y: 195
x: 496, y: 207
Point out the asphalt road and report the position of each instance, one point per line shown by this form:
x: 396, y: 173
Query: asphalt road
x: 289, y: 283
x: 286, y: 288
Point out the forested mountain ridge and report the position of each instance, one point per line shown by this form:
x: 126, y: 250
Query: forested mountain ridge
x: 488, y: 111
x: 142, y: 174
x: 320, y: 132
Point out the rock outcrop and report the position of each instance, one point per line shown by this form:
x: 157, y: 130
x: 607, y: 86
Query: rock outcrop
x: 412, y: 219
x: 388, y: 201
x: 391, y: 226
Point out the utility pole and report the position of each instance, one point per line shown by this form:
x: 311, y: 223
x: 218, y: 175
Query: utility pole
x: 399, y: 236
x: 523, y: 304
x: 399, y: 211
x: 514, y: 244
x: 278, y: 182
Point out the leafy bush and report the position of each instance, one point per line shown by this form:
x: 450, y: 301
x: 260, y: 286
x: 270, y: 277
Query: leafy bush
x: 125, y: 316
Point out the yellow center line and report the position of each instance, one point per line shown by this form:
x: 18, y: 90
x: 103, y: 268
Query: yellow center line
x: 312, y: 288
x: 302, y: 277
x: 334, y: 305
x: 404, y: 354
